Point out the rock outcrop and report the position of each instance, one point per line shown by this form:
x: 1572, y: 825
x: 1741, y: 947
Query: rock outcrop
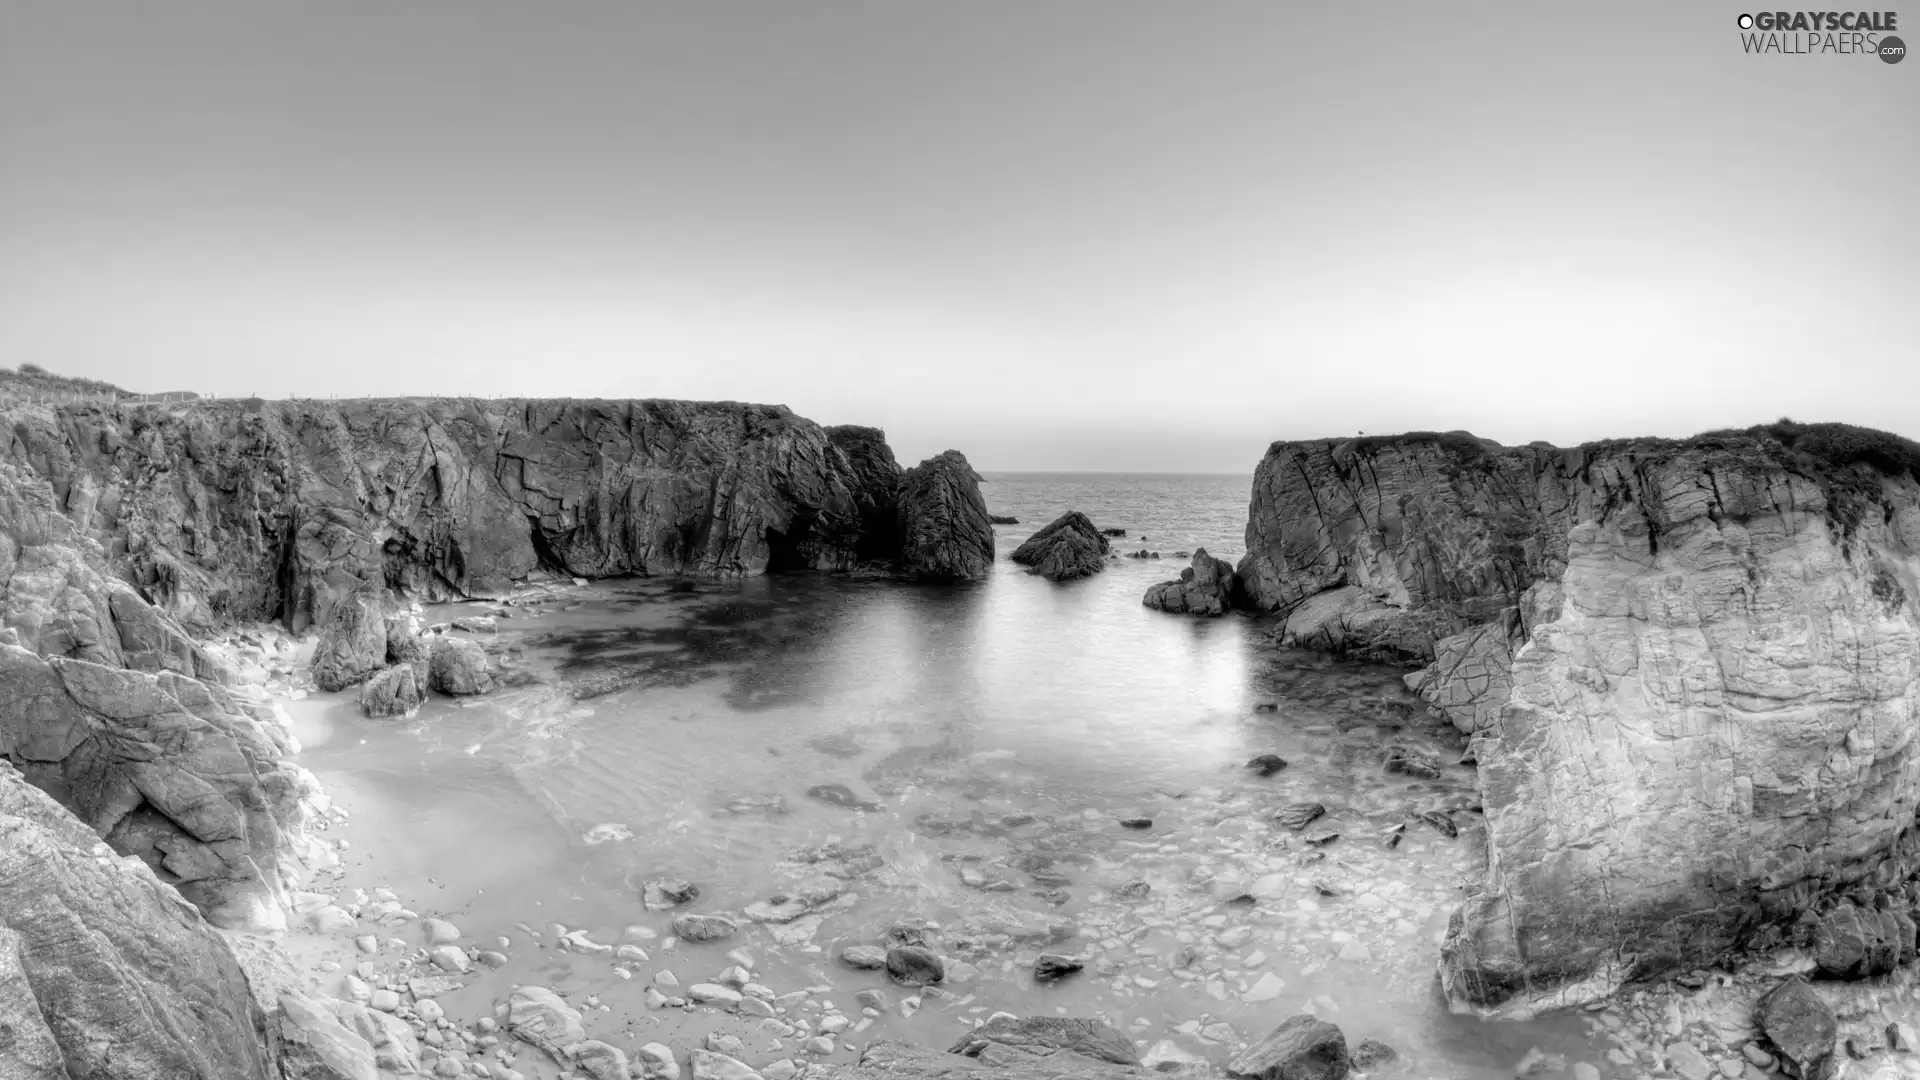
x: 1205, y: 588
x: 944, y: 526
x: 1689, y: 667
x: 285, y: 509
x: 1069, y: 548
x: 105, y: 972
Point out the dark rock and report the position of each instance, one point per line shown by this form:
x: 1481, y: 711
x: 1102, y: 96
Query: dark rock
x: 1442, y: 822
x: 1854, y: 943
x: 1205, y: 588
x: 1136, y: 823
x: 1300, y: 815
x: 999, y: 520
x: 1800, y: 1026
x: 1046, y: 1036
x: 1068, y: 548
x: 914, y: 965
x: 1113, y: 532
x: 943, y: 521
x: 1132, y: 890
x: 1411, y: 762
x: 1267, y: 764
x: 906, y: 933
x: 667, y: 893
x: 1368, y: 1053
x: 1301, y: 1048
x: 840, y: 795
x: 104, y: 971
x: 1051, y: 966
x: 1322, y: 839
x: 703, y: 927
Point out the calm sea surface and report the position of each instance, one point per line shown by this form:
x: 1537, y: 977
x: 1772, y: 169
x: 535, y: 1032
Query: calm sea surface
x: 994, y: 735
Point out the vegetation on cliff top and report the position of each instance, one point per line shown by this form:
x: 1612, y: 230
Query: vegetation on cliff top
x: 33, y: 383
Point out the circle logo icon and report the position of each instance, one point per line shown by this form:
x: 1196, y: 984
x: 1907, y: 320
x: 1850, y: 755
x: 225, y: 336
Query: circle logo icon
x: 1746, y: 22
x: 1892, y: 50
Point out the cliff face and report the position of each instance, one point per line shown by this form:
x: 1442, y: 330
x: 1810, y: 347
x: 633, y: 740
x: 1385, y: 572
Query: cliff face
x: 279, y: 509
x: 1690, y: 669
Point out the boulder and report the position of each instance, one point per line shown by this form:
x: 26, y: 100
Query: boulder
x: 1205, y: 588
x: 1800, y: 1027
x: 600, y: 1061
x: 1301, y: 1048
x: 104, y: 970
x: 704, y: 927
x: 459, y: 667
x: 1069, y: 548
x: 915, y: 965
x: 946, y: 534
x: 885, y: 1059
x: 393, y: 692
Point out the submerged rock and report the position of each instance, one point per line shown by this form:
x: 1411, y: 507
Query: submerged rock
x: 666, y: 893
x: 841, y: 795
x: 864, y: 957
x: 1299, y: 815
x: 1302, y: 1048
x: 1205, y: 588
x: 1052, y: 966
x: 943, y: 521
x: 541, y: 1018
x: 1068, y: 548
x: 1267, y: 764
x: 1005, y: 1039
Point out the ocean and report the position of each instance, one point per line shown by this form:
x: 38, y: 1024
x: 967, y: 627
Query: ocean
x: 980, y: 745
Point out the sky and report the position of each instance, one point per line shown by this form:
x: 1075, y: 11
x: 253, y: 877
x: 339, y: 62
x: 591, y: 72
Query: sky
x: 1074, y: 234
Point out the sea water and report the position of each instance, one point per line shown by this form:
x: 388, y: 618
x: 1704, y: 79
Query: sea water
x: 985, y: 744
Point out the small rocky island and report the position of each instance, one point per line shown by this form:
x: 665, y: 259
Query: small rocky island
x: 1069, y: 548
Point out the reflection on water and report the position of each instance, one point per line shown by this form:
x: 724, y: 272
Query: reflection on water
x: 985, y: 743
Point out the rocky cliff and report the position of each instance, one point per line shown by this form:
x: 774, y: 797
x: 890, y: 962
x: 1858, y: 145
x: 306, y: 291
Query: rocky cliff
x: 1689, y: 669
x: 105, y: 972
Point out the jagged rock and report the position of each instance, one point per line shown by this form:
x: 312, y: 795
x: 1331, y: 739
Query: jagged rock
x: 1045, y: 1036
x: 459, y: 667
x: 709, y: 1065
x: 656, y: 1062
x: 1301, y: 1048
x: 943, y: 521
x: 1370, y: 1052
x: 1409, y: 761
x: 104, y: 970
x: 541, y: 1018
x: 1069, y: 548
x: 393, y: 692
x: 353, y: 640
x: 915, y: 965
x: 1800, y: 1027
x: 394, y: 1046
x: 1734, y: 609
x: 315, y: 1045
x: 1205, y: 588
x: 167, y: 768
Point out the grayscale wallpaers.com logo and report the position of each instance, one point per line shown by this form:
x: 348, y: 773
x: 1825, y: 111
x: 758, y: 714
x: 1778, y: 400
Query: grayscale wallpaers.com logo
x: 1804, y: 33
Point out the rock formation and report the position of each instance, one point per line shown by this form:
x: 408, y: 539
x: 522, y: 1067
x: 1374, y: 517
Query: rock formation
x: 1205, y: 588
x: 945, y: 533
x: 285, y: 509
x: 1690, y: 669
x: 1069, y: 548
x: 105, y: 972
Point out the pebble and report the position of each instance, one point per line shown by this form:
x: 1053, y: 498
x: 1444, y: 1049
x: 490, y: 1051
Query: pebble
x: 385, y: 1000
x: 784, y: 1069
x: 666, y: 980
x: 656, y: 1062
x: 864, y: 957
x: 713, y: 994
x: 753, y: 1006
x: 451, y: 958
x: 367, y: 943
x: 1268, y: 987
x: 735, y: 977
x: 440, y: 932
x: 1687, y: 1060
x: 819, y: 1045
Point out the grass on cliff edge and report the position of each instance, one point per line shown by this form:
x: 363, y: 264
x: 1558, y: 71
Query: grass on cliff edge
x: 33, y: 383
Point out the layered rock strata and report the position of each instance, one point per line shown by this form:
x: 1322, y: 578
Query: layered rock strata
x: 1689, y: 668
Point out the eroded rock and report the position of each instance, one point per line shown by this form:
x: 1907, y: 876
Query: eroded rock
x: 1068, y: 548
x: 1207, y: 587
